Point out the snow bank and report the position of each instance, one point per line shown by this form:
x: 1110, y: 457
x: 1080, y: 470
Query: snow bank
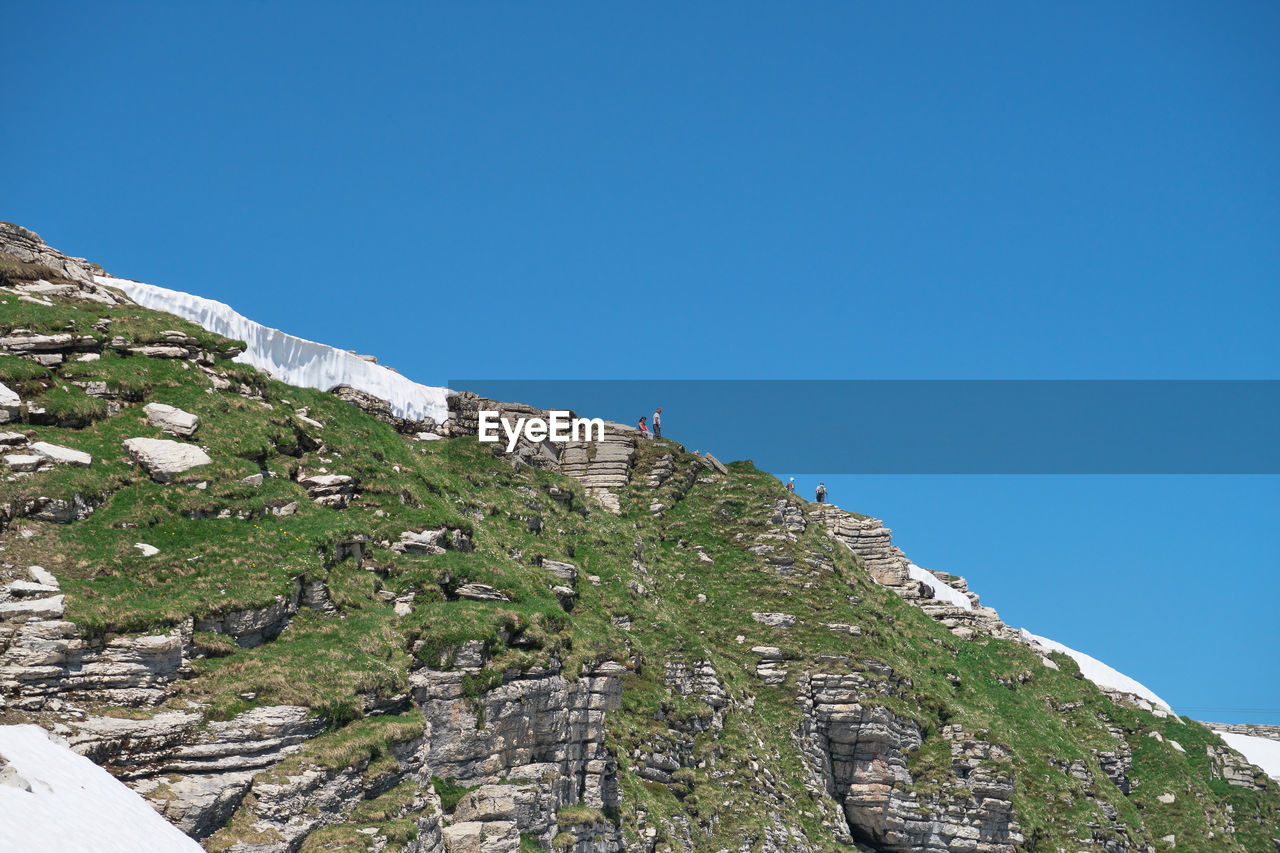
x: 291, y: 359
x: 73, y: 805
x: 1097, y: 671
x: 941, y: 591
x: 1261, y: 751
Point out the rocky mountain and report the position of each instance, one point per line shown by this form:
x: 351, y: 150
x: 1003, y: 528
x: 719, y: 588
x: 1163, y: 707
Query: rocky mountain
x: 295, y: 618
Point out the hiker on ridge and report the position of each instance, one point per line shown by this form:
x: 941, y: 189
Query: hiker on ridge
x: 791, y: 485
x: 822, y: 493
x: 657, y: 423
x: 644, y: 429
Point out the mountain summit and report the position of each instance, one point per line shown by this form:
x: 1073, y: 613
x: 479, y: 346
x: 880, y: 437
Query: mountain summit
x: 285, y: 597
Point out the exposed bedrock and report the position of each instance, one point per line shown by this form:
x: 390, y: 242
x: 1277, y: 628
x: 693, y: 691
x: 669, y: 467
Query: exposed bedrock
x: 858, y: 751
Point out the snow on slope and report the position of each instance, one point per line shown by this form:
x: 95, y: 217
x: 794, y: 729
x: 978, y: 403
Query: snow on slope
x: 1261, y: 751
x: 291, y: 359
x: 73, y: 805
x: 941, y: 591
x: 1097, y: 671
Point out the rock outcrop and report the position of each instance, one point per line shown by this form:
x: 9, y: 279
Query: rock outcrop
x: 48, y: 270
x: 858, y: 750
x: 537, y: 726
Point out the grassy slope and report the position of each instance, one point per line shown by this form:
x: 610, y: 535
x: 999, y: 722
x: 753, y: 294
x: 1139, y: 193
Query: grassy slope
x: 335, y: 665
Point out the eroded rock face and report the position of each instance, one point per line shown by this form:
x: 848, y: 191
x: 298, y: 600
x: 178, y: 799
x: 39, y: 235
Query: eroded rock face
x: 255, y: 626
x: 45, y: 658
x: 858, y: 750
x: 538, y: 726
x: 332, y: 490
x: 214, y: 765
x: 381, y: 409
x: 873, y: 543
x: 26, y: 246
x: 287, y: 810
x: 601, y: 466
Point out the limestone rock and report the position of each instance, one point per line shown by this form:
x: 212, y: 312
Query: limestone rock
x: 775, y: 620
x: 42, y: 576
x: 421, y: 542
x: 163, y: 459
x: 333, y: 490
x: 567, y: 572
x: 10, y: 403
x: 478, y: 837
x: 147, y: 550
x: 23, y: 462
x: 481, y: 592
x: 33, y: 608
x: 62, y: 455
x: 171, y: 419
x: 26, y: 245
x: 30, y: 589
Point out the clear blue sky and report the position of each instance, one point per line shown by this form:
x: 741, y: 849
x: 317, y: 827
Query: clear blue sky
x: 733, y: 190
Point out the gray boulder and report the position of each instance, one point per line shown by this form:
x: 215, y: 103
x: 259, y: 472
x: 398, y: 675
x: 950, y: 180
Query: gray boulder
x: 10, y: 403
x: 62, y: 455
x: 162, y: 459
x: 171, y: 419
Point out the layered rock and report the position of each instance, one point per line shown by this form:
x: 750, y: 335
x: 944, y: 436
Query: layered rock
x: 601, y: 466
x: 537, y: 726
x: 872, y: 542
x: 27, y: 247
x: 858, y: 748
x: 331, y: 490
x: 381, y: 410
x: 44, y: 658
x: 195, y: 775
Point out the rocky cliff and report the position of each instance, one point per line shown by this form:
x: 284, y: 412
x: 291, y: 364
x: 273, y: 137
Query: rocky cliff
x: 295, y: 620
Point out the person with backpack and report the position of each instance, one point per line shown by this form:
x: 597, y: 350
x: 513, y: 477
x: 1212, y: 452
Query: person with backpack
x: 657, y: 423
x: 791, y: 485
x: 644, y: 429
x: 822, y: 493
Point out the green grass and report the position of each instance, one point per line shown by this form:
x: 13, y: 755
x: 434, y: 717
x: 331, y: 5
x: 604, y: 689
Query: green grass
x: 338, y: 664
x: 450, y: 792
x: 364, y: 743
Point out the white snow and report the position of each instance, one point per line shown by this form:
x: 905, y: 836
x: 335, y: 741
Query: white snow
x: 941, y: 591
x: 1261, y: 751
x: 73, y: 805
x: 1097, y: 671
x: 291, y: 359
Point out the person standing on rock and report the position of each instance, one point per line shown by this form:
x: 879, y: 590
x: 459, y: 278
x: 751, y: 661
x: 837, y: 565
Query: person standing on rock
x: 822, y: 493
x: 644, y: 429
x: 657, y: 423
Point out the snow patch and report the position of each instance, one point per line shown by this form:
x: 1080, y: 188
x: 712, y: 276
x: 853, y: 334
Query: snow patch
x: 1097, y: 671
x: 290, y: 359
x: 940, y: 590
x: 73, y: 805
x: 1261, y: 751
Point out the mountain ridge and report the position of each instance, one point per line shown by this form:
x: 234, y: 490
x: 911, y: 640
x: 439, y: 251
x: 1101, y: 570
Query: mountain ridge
x: 523, y: 660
